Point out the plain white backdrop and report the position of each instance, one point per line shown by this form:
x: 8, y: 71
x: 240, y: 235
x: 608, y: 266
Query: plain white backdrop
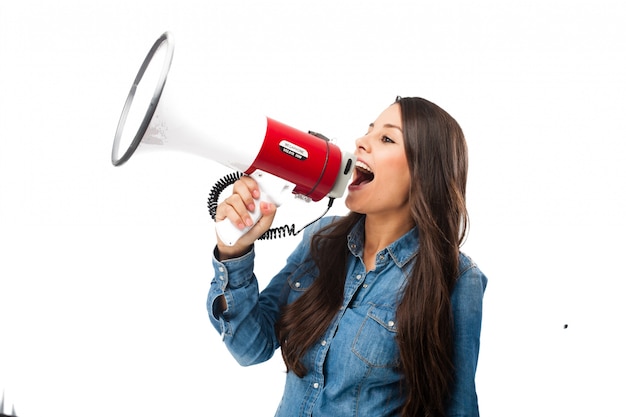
x: 104, y: 271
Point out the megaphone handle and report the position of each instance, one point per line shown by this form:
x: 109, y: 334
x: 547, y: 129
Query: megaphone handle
x: 229, y: 233
x: 272, y: 189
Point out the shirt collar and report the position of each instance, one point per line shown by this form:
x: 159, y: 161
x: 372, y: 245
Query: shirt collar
x: 401, y: 251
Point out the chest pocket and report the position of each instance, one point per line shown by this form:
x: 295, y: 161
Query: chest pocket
x: 375, y: 342
x: 300, y: 280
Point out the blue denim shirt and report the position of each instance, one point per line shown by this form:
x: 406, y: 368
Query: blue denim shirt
x: 353, y: 369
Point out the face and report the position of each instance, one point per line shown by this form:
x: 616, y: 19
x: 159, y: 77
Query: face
x: 381, y: 179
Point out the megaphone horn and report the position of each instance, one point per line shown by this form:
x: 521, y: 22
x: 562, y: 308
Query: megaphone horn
x: 145, y: 94
x: 156, y: 119
x: 279, y: 156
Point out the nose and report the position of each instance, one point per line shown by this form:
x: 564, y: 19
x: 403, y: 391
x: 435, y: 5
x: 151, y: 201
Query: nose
x: 362, y: 143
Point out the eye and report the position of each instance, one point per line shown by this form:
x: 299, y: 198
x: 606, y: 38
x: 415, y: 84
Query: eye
x: 387, y: 139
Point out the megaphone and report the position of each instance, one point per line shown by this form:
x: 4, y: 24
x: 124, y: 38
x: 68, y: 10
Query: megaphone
x: 283, y: 160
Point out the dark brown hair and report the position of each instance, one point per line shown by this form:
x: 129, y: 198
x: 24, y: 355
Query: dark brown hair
x: 437, y: 156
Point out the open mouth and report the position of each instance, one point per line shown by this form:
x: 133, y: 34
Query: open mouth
x: 362, y: 173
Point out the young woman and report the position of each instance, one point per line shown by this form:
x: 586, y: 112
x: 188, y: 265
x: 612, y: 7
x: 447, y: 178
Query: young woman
x: 376, y: 313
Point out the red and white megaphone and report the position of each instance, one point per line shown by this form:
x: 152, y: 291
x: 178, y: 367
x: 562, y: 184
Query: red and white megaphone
x: 283, y: 160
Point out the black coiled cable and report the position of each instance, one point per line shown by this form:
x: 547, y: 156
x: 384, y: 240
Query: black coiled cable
x: 217, y: 189
x: 273, y: 233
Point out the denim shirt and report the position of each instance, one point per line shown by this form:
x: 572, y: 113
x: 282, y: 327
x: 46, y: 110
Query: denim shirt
x: 353, y: 370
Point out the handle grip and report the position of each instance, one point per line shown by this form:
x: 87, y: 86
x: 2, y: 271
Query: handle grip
x: 272, y: 189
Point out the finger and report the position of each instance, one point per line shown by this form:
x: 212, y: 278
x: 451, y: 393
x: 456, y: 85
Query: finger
x: 249, y: 191
x: 234, y: 209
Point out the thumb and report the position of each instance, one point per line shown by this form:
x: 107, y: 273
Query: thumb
x: 268, y: 211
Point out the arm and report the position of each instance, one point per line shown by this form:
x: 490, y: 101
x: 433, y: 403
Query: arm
x: 233, y: 296
x: 237, y: 209
x: 467, y: 301
x: 246, y: 318
x: 233, y: 305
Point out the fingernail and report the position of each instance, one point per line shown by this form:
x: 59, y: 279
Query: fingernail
x: 249, y: 222
x: 251, y: 207
x: 256, y: 193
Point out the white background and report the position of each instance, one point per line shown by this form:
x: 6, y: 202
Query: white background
x: 104, y: 271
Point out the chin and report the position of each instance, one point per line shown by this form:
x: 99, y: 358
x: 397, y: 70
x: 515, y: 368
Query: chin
x: 349, y: 204
x: 354, y: 207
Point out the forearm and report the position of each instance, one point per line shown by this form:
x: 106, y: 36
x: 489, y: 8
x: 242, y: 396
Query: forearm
x: 223, y: 253
x: 247, y: 326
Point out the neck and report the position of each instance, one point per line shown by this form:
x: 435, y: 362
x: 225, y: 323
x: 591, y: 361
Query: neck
x: 381, y: 231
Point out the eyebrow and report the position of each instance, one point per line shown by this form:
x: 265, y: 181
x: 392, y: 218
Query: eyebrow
x: 389, y: 125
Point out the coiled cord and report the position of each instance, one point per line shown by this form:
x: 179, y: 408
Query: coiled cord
x: 217, y: 189
x: 273, y: 233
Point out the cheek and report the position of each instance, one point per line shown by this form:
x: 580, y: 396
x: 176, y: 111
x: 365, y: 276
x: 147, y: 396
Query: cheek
x: 404, y: 186
x: 403, y: 179
x: 400, y: 173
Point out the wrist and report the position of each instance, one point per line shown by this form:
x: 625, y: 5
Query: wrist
x: 225, y: 252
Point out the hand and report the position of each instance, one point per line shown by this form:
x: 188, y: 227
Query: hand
x: 236, y: 209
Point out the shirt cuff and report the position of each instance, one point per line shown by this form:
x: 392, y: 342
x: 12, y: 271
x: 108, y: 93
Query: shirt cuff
x: 234, y: 272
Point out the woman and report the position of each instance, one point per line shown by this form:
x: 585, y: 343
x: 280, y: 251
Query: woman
x: 376, y: 313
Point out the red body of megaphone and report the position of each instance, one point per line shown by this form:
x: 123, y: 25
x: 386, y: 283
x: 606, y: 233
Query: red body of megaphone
x: 282, y: 159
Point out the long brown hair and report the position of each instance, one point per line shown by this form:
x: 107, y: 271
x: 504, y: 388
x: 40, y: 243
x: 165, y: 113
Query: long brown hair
x: 437, y: 155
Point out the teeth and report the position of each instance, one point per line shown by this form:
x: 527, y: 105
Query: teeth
x: 363, y: 166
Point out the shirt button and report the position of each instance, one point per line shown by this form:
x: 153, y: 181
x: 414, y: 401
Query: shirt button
x: 221, y: 277
x: 316, y: 385
x: 365, y: 285
x: 323, y: 343
x: 390, y: 323
x: 359, y: 276
x: 297, y: 284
